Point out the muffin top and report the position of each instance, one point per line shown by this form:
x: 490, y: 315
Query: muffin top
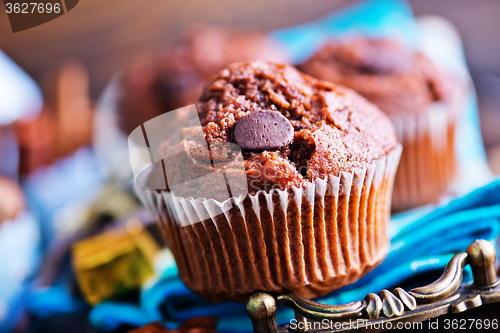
x: 291, y: 128
x: 161, y: 82
x: 394, y: 78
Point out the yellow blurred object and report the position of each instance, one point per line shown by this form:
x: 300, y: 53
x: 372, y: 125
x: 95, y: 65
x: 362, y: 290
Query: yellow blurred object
x: 114, y: 262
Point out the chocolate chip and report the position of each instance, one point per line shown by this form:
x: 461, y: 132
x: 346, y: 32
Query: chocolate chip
x: 263, y: 130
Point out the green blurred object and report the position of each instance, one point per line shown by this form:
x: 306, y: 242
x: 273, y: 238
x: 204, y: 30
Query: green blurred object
x: 114, y: 262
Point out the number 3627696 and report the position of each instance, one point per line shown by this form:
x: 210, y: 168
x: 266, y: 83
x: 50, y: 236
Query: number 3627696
x: 32, y: 7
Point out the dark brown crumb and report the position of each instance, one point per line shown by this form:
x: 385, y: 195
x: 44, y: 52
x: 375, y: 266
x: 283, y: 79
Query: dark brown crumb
x: 335, y: 129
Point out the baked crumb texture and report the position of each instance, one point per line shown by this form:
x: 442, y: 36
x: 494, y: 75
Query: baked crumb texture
x: 335, y: 129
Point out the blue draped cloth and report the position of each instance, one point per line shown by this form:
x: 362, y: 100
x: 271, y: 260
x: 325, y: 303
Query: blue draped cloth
x: 421, y: 246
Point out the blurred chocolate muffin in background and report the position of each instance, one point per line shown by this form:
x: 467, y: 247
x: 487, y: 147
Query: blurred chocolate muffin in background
x: 157, y: 83
x: 65, y: 123
x: 421, y: 101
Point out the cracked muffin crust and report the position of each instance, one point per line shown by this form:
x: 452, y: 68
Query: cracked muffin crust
x: 335, y: 129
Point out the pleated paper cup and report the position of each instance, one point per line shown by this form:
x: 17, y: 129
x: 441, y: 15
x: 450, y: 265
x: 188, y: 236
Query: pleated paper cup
x: 428, y: 163
x: 308, y: 240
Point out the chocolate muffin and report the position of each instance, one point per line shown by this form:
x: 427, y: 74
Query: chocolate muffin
x: 158, y: 83
x: 318, y: 163
x: 419, y: 99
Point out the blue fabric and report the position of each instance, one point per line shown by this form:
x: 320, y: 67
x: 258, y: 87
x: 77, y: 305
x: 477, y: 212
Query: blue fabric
x: 19, y: 258
x: 108, y: 316
x: 46, y: 302
x: 377, y: 18
x: 70, y: 182
x: 413, y: 255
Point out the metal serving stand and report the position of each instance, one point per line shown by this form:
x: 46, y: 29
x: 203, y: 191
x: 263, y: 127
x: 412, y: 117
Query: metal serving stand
x: 445, y: 295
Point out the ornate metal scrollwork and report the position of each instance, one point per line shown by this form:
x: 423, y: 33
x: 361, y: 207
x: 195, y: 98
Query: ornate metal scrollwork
x: 446, y: 285
x: 440, y: 297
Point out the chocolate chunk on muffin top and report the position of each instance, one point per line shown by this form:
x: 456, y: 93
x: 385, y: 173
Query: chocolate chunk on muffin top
x: 303, y: 128
x: 396, y: 79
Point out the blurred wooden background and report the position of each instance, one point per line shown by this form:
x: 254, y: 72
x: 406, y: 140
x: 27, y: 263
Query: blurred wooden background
x: 106, y: 35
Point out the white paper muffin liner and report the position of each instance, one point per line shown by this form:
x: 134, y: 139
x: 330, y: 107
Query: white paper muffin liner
x: 428, y: 163
x: 309, y: 240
